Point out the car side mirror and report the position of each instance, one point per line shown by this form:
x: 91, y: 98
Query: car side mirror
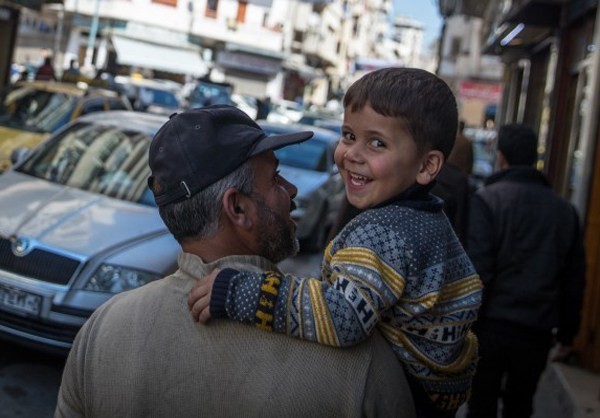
x: 19, y: 154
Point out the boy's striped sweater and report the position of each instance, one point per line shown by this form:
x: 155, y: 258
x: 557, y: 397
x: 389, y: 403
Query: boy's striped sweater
x: 399, y: 267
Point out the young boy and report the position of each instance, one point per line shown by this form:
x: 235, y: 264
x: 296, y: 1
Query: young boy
x: 397, y: 265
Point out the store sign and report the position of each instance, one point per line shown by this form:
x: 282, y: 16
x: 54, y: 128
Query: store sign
x: 491, y: 93
x: 248, y: 62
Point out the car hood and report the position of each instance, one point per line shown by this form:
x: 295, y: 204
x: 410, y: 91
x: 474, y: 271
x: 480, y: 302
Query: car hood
x: 78, y: 222
x: 12, y: 138
x: 307, y: 181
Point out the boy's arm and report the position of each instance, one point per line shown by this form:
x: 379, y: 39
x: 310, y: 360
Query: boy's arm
x: 341, y: 312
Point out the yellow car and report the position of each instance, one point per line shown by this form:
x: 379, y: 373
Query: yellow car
x: 31, y: 111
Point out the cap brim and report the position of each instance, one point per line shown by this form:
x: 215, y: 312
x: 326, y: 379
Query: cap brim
x: 273, y: 142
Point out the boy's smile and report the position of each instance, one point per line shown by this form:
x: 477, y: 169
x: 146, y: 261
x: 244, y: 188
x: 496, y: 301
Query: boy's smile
x: 377, y: 157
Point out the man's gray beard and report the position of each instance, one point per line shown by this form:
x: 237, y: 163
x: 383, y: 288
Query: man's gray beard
x: 277, y: 240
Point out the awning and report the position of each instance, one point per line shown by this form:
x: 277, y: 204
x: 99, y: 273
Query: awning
x: 158, y: 57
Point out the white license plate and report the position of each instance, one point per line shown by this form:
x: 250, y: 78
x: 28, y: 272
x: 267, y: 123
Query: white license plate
x: 19, y: 300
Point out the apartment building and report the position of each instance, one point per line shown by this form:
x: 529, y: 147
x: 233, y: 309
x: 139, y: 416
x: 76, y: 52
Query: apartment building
x: 281, y: 48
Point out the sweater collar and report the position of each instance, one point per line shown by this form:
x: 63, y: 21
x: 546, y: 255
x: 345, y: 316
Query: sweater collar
x: 417, y: 197
x: 194, y: 266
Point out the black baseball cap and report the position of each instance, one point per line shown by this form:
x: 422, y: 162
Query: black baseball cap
x: 195, y: 148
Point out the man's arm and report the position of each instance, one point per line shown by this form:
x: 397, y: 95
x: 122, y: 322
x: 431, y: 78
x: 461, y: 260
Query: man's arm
x: 339, y: 312
x: 70, y: 402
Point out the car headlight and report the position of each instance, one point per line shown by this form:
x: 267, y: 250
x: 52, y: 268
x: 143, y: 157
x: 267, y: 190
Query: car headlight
x: 114, y: 279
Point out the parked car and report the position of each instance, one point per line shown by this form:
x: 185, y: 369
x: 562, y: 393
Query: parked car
x: 322, y: 120
x: 30, y: 111
x: 245, y: 103
x: 150, y: 95
x: 310, y: 166
x: 204, y: 92
x: 484, y: 154
x: 81, y: 226
x: 285, y: 111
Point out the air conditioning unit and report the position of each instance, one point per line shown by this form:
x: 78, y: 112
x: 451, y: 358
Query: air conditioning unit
x: 232, y: 23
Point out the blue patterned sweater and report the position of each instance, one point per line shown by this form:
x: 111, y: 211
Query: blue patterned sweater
x: 399, y: 267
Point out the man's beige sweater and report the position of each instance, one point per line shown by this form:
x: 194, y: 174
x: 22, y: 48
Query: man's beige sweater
x: 141, y: 355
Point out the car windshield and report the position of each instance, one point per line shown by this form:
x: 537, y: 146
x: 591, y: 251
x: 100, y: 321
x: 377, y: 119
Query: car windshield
x: 309, y: 155
x: 158, y: 97
x: 208, y: 94
x: 30, y: 109
x: 101, y: 159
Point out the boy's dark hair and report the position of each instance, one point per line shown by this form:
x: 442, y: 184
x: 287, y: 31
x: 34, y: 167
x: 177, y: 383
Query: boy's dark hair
x: 518, y: 144
x: 421, y: 99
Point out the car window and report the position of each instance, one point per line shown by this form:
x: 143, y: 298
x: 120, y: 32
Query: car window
x: 27, y: 108
x: 115, y: 104
x: 309, y: 155
x: 94, y: 105
x: 158, y: 97
x: 101, y: 159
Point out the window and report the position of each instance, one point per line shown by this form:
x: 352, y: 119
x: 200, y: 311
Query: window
x: 211, y: 8
x: 241, y: 11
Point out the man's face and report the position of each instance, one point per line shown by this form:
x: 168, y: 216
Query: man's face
x: 273, y: 196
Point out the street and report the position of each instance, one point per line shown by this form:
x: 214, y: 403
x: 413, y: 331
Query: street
x: 29, y: 380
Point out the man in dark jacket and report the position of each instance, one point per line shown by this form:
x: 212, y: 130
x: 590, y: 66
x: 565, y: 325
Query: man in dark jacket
x: 526, y: 244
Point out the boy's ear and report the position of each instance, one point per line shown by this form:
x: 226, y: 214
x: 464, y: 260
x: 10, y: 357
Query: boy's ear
x: 236, y: 207
x: 430, y: 167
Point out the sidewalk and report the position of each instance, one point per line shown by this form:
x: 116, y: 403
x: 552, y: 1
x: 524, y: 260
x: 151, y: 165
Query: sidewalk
x: 567, y: 391
x: 564, y: 392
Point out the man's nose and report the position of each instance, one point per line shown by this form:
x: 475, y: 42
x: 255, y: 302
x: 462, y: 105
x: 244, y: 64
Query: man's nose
x: 290, y: 187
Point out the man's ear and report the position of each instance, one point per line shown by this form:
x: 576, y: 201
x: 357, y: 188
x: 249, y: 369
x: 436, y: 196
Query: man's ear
x: 236, y: 207
x: 430, y: 167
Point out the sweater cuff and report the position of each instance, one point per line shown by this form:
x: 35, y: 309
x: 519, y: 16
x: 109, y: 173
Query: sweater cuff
x: 218, y: 297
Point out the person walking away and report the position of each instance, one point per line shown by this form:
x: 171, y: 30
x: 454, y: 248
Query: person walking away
x: 397, y: 266
x: 46, y: 70
x: 526, y: 244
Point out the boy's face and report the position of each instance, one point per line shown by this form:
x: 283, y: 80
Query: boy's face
x: 377, y: 157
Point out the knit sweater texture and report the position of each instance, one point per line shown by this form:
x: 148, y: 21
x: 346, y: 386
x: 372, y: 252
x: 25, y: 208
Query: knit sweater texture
x: 399, y: 268
x: 142, y: 355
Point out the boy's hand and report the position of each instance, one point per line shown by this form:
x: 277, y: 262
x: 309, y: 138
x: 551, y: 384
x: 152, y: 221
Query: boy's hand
x: 199, y: 298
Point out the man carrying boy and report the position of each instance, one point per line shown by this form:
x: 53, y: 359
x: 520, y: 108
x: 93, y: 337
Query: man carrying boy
x: 398, y: 265
x: 215, y: 181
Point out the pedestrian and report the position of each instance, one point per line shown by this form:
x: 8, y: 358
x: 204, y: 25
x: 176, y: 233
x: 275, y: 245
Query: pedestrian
x: 215, y: 180
x: 461, y: 156
x: 526, y: 243
x: 46, y: 70
x: 397, y: 266
x: 263, y: 108
x: 72, y: 73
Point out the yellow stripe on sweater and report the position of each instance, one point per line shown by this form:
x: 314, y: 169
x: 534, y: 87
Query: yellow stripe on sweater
x: 460, y: 288
x: 324, y: 325
x: 367, y: 258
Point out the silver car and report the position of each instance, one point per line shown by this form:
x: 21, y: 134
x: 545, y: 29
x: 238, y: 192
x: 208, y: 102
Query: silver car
x: 78, y: 224
x: 310, y: 166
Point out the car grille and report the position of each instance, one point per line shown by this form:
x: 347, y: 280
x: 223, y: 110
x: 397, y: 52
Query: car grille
x: 63, y: 333
x: 38, y: 264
